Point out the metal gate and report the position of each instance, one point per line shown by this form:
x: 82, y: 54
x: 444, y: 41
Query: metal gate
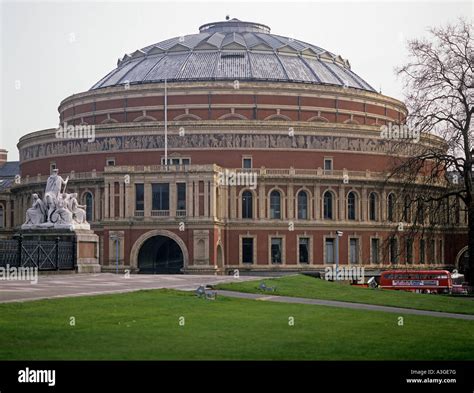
x: 55, y: 254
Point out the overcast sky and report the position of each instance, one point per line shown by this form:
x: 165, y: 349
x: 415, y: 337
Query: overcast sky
x: 52, y: 50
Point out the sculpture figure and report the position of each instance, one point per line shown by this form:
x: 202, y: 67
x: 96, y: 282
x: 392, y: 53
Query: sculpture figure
x: 62, y: 215
x: 52, y: 191
x: 35, y: 215
x: 78, y: 211
x: 58, y: 209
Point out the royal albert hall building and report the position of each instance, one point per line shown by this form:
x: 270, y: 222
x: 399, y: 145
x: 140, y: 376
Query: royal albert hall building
x: 239, y: 101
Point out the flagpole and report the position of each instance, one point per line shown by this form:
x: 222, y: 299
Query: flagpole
x: 166, y: 123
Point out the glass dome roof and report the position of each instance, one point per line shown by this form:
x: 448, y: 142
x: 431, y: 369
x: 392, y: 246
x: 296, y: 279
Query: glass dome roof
x: 233, y: 50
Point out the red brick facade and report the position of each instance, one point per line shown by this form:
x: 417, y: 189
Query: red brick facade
x: 287, y: 130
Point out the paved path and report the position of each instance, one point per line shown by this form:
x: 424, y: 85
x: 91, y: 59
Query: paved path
x: 64, y: 285
x: 334, y: 303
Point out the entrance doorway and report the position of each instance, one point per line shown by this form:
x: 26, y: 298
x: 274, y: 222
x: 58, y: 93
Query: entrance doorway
x: 160, y: 255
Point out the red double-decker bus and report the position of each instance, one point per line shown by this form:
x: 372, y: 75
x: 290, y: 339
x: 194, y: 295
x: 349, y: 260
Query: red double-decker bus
x: 426, y: 281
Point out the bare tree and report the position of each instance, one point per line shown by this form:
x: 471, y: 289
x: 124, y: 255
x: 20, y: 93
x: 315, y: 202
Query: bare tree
x: 436, y: 173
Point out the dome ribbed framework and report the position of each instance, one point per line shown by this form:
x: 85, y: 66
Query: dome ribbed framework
x: 233, y: 50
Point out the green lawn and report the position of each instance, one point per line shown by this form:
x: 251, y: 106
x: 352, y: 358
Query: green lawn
x: 309, y: 287
x: 144, y: 325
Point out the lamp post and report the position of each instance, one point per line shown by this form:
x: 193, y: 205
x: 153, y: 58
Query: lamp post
x: 338, y: 235
x: 117, y: 240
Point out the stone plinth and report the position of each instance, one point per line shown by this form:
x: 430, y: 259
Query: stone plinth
x: 87, y: 251
x: 84, y: 248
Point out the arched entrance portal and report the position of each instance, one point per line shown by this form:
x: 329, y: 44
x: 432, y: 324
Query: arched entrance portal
x: 160, y: 255
x: 462, y: 260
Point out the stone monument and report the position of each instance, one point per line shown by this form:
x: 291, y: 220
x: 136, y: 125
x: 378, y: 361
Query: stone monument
x: 60, y: 214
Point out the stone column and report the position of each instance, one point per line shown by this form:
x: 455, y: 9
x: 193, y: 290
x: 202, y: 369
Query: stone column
x: 317, y: 202
x: 112, y: 201
x: 206, y: 198
x: 291, y: 202
x: 121, y: 200
x: 196, y: 199
x: 112, y: 248
x: 219, y: 201
x: 383, y: 206
x: 364, y: 214
x: 212, y: 200
x: 129, y: 200
x: 233, y: 204
x: 342, y: 203
x: 189, y: 199
x: 261, y: 200
x: 173, y: 201
x: 97, y: 199
x: 147, y: 199
x: 107, y: 201
x: 225, y: 201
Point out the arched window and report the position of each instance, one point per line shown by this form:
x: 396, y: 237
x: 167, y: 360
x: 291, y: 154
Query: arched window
x: 390, y: 207
x: 328, y: 205
x: 2, y: 217
x: 89, y: 207
x: 420, y: 213
x: 393, y: 250
x: 437, y: 212
x: 351, y: 206
x: 275, y: 205
x: 373, y: 206
x: 247, y: 204
x: 457, y: 210
x: 302, y: 205
x: 407, y: 209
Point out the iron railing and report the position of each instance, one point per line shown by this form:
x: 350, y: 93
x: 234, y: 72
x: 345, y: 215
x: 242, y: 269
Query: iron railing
x: 54, y: 254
